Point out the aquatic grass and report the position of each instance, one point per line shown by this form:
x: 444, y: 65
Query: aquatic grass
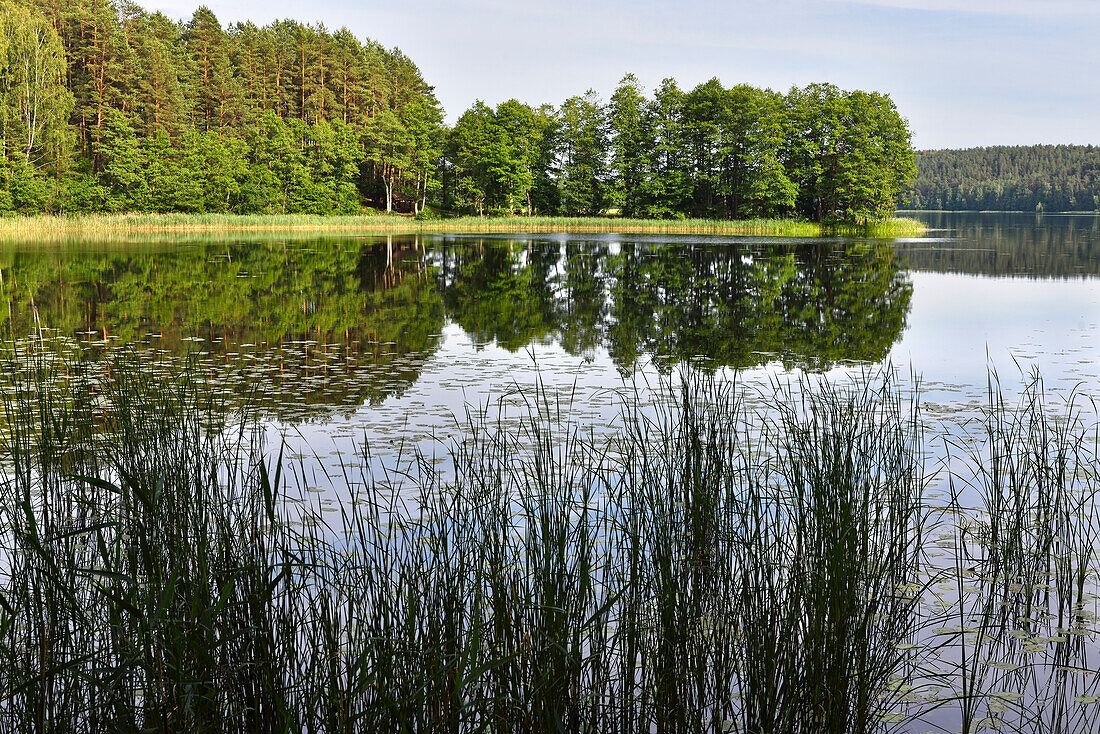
x: 82, y: 227
x: 122, y: 569
x: 834, y: 535
x: 890, y: 228
x: 1023, y: 551
x: 722, y: 561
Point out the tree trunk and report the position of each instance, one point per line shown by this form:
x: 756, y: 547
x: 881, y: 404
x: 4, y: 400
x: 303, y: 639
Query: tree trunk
x: 321, y: 69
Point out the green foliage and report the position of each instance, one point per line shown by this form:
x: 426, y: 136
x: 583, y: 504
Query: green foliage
x: 162, y: 69
x: 849, y: 153
x: 1027, y: 178
x: 195, y: 117
x: 215, y: 91
x: 671, y: 174
x: 34, y: 108
x: 282, y: 166
x: 403, y: 138
x: 497, y: 157
x: 712, y: 153
x: 585, y: 183
x: 469, y: 147
x: 632, y: 148
x: 754, y: 181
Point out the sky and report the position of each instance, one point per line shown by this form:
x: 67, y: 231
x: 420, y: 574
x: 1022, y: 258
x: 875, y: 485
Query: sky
x: 963, y: 72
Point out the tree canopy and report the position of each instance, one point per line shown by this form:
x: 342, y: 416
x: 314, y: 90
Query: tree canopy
x: 106, y: 107
x: 732, y: 153
x: 1062, y: 178
x: 131, y: 111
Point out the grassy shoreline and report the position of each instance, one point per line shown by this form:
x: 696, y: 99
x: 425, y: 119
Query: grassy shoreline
x: 25, y: 228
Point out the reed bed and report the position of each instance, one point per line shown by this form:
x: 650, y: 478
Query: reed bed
x: 717, y: 564
x: 1017, y: 649
x: 21, y: 229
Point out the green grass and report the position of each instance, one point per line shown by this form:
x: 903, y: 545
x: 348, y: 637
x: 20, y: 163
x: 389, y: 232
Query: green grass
x: 87, y: 226
x: 709, y: 567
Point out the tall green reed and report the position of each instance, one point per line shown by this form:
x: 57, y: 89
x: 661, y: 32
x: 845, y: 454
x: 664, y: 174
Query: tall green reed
x: 37, y: 229
x: 1024, y: 542
x: 724, y: 560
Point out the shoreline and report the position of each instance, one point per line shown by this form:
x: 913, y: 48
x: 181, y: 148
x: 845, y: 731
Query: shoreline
x: 85, y: 226
x: 1052, y: 213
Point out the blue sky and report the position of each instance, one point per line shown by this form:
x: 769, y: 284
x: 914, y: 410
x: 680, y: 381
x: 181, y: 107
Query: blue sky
x: 964, y: 72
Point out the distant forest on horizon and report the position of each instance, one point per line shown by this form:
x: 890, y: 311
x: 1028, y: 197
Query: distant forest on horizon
x: 1055, y: 178
x: 106, y: 107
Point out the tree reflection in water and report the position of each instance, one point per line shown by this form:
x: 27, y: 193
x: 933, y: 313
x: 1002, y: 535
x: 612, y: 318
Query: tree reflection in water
x: 325, y: 325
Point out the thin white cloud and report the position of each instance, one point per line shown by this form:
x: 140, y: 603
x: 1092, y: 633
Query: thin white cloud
x: 1020, y: 8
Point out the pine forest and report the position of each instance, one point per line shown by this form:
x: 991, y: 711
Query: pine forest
x: 1055, y: 178
x: 105, y: 107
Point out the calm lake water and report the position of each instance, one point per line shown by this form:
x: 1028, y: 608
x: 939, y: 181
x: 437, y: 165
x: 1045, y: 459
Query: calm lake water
x: 388, y: 338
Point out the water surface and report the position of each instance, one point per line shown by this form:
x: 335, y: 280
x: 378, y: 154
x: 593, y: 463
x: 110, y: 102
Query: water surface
x: 389, y: 340
x: 343, y: 333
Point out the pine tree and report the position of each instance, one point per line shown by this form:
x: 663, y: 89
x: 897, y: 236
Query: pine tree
x: 215, y: 92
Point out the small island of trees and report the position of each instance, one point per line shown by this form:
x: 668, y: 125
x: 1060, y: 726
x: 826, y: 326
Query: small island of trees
x: 108, y: 108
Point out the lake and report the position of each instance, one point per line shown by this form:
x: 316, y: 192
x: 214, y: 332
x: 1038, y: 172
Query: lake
x: 387, y: 338
x: 426, y: 342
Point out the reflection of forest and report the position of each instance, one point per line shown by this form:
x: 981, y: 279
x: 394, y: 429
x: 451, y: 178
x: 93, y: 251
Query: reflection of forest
x: 734, y: 305
x: 330, y: 324
x: 316, y: 326
x: 1044, y: 246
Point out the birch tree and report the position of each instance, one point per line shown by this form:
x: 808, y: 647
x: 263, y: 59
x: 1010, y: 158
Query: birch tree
x: 34, y: 103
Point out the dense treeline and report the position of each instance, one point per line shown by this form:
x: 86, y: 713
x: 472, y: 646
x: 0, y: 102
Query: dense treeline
x: 1062, y: 178
x: 818, y: 152
x: 105, y: 107
x: 118, y: 109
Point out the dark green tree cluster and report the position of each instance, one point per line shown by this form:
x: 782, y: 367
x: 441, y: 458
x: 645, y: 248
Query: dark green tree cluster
x: 499, y: 158
x: 1061, y: 178
x: 106, y: 107
x: 740, y: 152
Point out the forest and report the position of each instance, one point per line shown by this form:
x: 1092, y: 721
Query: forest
x: 105, y: 107
x: 1055, y: 178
